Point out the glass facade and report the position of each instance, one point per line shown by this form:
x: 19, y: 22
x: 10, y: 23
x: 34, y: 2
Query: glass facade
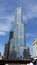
x: 18, y: 35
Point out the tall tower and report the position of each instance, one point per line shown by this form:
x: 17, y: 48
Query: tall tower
x: 18, y: 49
x: 19, y: 33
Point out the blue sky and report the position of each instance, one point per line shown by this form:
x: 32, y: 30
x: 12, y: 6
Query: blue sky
x: 7, y: 9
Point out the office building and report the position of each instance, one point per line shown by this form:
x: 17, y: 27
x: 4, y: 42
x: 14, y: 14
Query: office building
x: 35, y: 47
x: 18, y: 42
x: 10, y: 35
x: 0, y: 53
x: 26, y: 53
x: 0, y: 56
x: 6, y: 50
x: 10, y: 44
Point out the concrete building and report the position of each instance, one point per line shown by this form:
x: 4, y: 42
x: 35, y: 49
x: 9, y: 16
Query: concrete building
x: 35, y: 47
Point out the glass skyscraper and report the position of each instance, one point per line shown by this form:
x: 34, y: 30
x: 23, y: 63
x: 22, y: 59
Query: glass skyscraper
x: 19, y: 33
x: 19, y: 38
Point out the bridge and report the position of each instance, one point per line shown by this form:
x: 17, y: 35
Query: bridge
x: 6, y: 61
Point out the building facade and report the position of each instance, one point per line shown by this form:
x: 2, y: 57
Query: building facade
x: 10, y: 44
x: 35, y: 47
x: 18, y: 42
x: 6, y: 50
x: 19, y: 33
x: 26, y: 53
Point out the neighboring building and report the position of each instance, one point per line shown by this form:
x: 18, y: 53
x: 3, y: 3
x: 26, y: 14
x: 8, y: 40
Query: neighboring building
x: 0, y: 56
x: 35, y: 48
x: 10, y: 44
x: 11, y: 50
x: 0, y: 53
x: 6, y: 50
x: 10, y: 35
x: 26, y: 53
x: 35, y: 61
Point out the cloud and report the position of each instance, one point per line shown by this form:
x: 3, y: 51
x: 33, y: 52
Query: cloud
x: 9, y: 18
x: 2, y: 33
x: 6, y: 25
x: 30, y: 10
x: 28, y: 35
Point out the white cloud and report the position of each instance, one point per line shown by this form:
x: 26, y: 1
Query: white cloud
x: 6, y: 27
x: 31, y: 12
x: 25, y: 19
x: 30, y: 9
x: 2, y: 33
x: 31, y: 35
x: 10, y: 18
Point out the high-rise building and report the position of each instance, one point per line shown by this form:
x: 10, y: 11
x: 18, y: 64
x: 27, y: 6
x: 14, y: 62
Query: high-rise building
x: 19, y: 33
x: 26, y: 53
x: 10, y: 44
x: 11, y: 35
x: 35, y: 47
x: 0, y: 56
x: 18, y: 41
x: 0, y: 53
x: 6, y: 50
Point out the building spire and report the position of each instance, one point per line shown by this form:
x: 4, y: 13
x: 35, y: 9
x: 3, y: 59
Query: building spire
x: 20, y: 5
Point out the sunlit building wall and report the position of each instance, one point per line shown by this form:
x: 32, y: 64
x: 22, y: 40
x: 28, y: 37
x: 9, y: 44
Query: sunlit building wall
x: 35, y: 47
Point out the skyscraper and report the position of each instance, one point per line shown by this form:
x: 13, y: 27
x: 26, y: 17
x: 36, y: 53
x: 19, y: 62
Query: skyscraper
x: 6, y: 50
x: 18, y: 41
x: 10, y: 44
x: 19, y: 33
